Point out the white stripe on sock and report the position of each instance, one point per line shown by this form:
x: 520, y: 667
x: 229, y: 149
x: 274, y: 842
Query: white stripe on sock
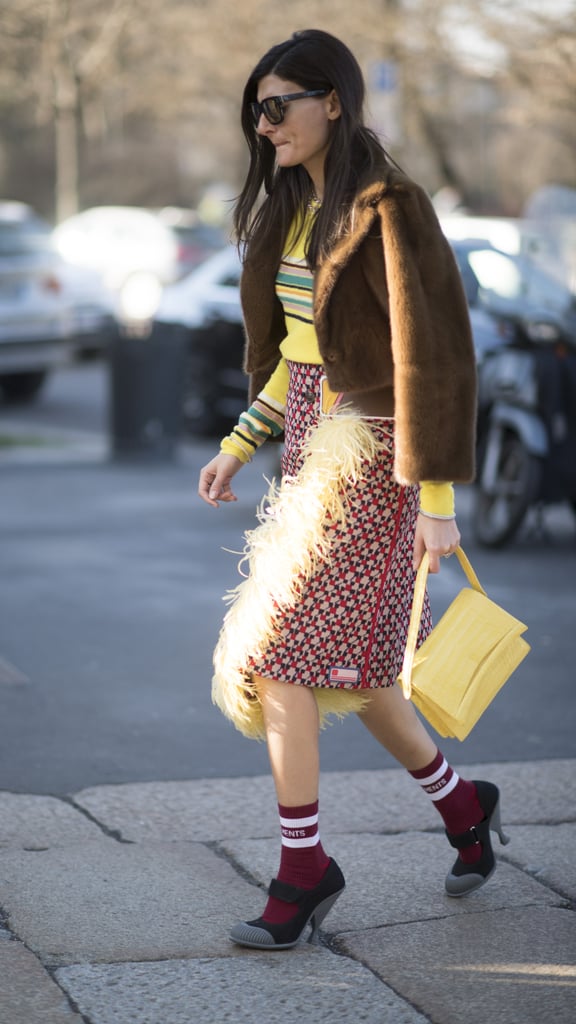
x: 437, y: 775
x: 299, y: 822
x: 441, y: 793
x: 300, y: 843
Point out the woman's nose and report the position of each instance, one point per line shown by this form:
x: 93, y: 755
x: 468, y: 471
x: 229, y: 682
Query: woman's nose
x: 264, y: 127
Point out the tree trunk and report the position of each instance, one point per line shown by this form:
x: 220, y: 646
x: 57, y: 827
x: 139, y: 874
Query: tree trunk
x: 66, y: 144
x: 439, y: 149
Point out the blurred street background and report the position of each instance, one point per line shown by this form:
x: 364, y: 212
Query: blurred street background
x: 121, y: 358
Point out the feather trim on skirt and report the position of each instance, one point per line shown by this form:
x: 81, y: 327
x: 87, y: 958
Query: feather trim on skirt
x: 281, y: 554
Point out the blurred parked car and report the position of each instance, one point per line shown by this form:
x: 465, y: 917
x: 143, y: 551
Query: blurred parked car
x: 49, y: 312
x: 515, y: 290
x: 34, y: 327
x: 136, y: 251
x: 207, y: 302
x: 550, y: 231
x: 488, y: 332
x: 90, y: 307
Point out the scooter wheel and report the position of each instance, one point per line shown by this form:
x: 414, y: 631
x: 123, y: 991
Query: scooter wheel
x: 498, y: 515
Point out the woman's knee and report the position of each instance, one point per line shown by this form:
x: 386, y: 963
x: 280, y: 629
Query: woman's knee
x: 388, y: 709
x: 284, y: 702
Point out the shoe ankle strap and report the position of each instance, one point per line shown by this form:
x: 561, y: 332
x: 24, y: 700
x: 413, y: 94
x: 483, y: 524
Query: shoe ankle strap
x: 465, y: 839
x: 284, y: 891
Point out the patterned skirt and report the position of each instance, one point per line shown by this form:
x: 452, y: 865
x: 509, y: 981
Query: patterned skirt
x: 342, y: 622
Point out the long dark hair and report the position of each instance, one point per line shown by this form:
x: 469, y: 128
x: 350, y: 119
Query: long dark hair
x: 311, y: 59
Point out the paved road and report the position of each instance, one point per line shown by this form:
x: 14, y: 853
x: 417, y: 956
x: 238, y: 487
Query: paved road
x: 110, y: 601
x: 74, y: 398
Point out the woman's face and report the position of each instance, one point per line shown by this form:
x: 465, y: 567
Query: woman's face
x: 304, y: 134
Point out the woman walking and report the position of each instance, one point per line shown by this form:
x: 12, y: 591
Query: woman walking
x: 359, y: 351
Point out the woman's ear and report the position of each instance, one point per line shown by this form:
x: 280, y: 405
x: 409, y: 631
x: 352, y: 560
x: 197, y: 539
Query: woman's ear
x: 334, y: 108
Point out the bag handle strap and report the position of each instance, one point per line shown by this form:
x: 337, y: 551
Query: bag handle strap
x: 416, y: 614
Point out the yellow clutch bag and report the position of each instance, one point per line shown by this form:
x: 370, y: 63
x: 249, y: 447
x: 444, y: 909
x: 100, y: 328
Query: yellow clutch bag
x: 471, y: 652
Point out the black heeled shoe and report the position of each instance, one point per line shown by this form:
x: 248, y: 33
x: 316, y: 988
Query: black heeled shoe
x: 313, y: 906
x: 465, y: 878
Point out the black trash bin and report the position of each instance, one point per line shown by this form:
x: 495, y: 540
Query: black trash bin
x: 146, y: 393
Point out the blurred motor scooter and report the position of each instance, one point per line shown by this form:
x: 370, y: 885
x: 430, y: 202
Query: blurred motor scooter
x: 526, y: 427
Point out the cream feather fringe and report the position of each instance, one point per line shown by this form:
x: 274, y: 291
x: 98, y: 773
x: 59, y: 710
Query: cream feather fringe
x: 280, y: 555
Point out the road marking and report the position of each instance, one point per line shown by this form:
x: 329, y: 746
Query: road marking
x: 10, y: 675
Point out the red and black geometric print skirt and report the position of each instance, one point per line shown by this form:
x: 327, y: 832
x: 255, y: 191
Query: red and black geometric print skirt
x: 348, y: 628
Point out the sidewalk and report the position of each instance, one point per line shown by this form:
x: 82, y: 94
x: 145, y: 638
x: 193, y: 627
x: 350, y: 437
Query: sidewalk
x: 117, y: 903
x: 30, y: 444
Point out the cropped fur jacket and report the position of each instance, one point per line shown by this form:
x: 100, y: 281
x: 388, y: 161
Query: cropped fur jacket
x: 392, y: 324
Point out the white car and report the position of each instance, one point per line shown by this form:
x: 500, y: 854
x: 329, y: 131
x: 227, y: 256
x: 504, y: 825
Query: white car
x: 209, y: 293
x: 136, y: 251
x: 91, y: 309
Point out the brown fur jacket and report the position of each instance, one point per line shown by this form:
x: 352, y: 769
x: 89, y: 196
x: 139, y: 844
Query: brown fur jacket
x: 391, y: 316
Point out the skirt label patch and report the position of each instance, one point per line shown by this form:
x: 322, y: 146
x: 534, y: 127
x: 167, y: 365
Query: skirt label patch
x: 341, y: 674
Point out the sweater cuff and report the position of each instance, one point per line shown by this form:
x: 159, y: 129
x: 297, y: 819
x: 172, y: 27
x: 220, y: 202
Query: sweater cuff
x: 232, y: 446
x: 437, y: 498
x: 264, y: 419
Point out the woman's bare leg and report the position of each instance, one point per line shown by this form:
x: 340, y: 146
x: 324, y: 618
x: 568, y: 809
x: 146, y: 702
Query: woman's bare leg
x: 395, y: 724
x: 292, y: 726
x: 308, y: 880
x: 393, y: 721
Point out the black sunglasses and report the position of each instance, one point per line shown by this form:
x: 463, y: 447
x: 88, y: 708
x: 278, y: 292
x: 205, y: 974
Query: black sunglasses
x: 273, y: 108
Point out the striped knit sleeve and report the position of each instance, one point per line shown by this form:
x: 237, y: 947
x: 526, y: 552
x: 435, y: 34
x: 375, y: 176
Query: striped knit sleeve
x: 264, y: 418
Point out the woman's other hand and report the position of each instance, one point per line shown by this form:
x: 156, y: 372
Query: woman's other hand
x: 215, y: 479
x: 436, y: 536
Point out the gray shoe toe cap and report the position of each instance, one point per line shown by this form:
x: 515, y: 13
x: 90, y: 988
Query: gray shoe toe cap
x: 249, y: 935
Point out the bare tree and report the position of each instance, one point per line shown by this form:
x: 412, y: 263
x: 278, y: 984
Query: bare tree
x: 62, y: 46
x: 142, y: 95
x: 531, y: 60
x: 69, y: 56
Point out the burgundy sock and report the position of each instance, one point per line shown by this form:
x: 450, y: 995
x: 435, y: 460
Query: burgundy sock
x: 455, y: 799
x: 303, y: 861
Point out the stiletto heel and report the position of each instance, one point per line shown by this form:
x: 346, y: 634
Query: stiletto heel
x: 314, y: 905
x: 320, y: 913
x: 496, y: 824
x: 465, y: 878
